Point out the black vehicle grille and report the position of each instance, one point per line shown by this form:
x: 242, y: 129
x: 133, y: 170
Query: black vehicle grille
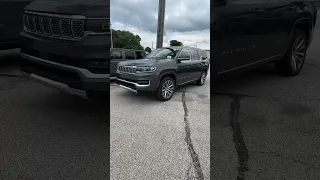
x: 51, y: 25
x: 126, y: 70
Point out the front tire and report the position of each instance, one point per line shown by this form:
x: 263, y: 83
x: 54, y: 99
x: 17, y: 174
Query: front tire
x: 202, y: 78
x: 166, y: 89
x: 293, y: 61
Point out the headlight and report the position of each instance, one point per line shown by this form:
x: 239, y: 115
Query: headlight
x: 145, y: 69
x: 94, y: 26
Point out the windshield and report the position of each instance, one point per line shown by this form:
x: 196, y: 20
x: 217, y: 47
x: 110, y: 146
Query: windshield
x: 162, y: 53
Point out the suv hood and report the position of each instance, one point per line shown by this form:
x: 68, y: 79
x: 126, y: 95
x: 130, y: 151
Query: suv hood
x: 140, y: 62
x: 88, y: 8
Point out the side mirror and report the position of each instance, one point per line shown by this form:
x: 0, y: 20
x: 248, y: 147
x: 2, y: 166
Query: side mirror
x: 169, y: 57
x: 204, y: 58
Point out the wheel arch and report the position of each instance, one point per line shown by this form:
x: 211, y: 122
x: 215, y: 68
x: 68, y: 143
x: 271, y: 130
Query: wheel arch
x: 305, y: 25
x: 170, y: 73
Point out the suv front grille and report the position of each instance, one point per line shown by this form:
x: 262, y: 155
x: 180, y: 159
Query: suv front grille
x: 50, y: 25
x: 126, y: 69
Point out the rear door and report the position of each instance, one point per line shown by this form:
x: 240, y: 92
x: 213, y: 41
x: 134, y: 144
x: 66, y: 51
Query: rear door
x: 197, y: 64
x: 237, y: 30
x: 116, y: 57
x: 280, y: 16
x: 184, y: 67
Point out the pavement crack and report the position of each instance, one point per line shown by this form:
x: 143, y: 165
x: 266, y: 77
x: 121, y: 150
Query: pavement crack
x: 194, y: 156
x: 241, y: 148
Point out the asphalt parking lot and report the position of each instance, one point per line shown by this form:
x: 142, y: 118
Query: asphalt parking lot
x: 160, y: 140
x: 47, y: 134
x: 266, y: 126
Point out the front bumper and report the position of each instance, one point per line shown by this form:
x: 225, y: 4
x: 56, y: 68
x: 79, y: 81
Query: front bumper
x: 71, y: 79
x: 139, y: 82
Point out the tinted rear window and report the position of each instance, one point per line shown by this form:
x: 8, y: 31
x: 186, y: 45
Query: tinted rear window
x: 130, y: 55
x: 116, y: 55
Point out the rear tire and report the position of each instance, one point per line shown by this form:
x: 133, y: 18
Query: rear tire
x: 293, y: 61
x: 166, y: 89
x: 202, y: 78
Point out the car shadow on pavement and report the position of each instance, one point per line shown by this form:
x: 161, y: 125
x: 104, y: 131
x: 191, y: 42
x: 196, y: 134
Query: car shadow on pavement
x: 64, y: 102
x: 8, y: 57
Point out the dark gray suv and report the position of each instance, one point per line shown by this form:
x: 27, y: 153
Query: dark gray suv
x: 164, y: 69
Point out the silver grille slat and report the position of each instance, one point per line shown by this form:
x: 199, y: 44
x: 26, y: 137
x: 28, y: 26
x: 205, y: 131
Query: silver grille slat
x: 51, y: 25
x: 127, y: 69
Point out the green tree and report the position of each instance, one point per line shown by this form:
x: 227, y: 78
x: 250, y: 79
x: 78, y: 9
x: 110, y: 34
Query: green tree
x: 126, y: 40
x: 147, y: 49
x: 175, y: 43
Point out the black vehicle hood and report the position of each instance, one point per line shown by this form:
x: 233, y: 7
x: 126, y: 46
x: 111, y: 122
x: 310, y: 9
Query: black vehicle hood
x: 88, y: 8
x: 140, y: 62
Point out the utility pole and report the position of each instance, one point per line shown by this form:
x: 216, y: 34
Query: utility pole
x: 111, y: 36
x: 160, y: 32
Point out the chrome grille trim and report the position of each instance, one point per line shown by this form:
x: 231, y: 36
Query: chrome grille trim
x: 127, y: 69
x: 67, y: 27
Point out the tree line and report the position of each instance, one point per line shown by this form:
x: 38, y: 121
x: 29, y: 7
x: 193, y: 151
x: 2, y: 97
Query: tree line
x: 128, y: 40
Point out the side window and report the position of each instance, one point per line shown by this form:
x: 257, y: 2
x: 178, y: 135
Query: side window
x: 116, y: 55
x: 140, y: 54
x: 195, y: 55
x: 184, y: 54
x: 130, y: 55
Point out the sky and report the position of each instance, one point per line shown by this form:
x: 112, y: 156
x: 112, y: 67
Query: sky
x: 187, y: 21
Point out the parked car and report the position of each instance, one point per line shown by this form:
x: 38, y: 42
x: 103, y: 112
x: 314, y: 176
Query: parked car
x: 65, y: 44
x: 11, y: 22
x: 118, y: 55
x: 247, y: 34
x: 163, y: 70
